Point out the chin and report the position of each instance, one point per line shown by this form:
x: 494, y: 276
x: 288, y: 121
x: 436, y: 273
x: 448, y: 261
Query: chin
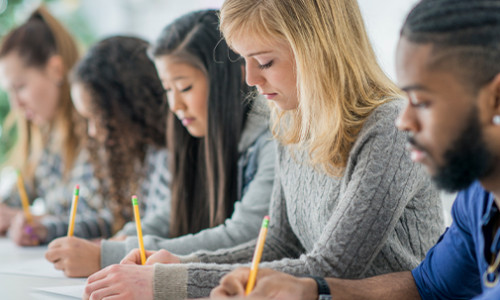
x: 196, y: 133
x: 282, y: 105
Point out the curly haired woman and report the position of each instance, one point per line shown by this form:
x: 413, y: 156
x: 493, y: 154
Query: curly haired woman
x: 116, y: 88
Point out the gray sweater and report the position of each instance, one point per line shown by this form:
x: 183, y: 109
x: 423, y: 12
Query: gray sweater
x: 256, y: 167
x: 381, y: 216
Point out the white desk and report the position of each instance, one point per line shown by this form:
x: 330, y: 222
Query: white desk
x: 21, y: 287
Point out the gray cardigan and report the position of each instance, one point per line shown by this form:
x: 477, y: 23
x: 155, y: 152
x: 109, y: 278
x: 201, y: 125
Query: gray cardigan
x: 381, y: 216
x: 255, y: 178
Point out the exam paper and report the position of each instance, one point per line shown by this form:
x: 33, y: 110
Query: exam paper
x: 73, y: 291
x: 37, y: 267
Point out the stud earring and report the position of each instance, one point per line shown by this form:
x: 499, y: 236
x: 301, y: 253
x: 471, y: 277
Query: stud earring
x: 496, y: 120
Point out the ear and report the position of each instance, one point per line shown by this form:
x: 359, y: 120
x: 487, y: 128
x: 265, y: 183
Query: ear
x: 55, y: 69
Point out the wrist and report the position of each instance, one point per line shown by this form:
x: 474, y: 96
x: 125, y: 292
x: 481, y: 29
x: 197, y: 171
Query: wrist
x: 322, y: 288
x: 309, y: 288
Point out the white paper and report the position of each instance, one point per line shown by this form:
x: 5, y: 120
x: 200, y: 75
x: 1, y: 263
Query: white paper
x: 73, y: 291
x: 38, y: 267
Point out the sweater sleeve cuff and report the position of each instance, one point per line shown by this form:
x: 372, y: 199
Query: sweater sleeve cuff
x: 53, y: 230
x: 192, y: 258
x: 112, y: 252
x: 170, y: 281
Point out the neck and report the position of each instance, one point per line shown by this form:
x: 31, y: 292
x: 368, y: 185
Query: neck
x: 492, y: 184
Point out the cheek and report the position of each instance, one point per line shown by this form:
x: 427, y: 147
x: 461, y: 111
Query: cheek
x: 200, y: 103
x: 46, y: 96
x: 435, y: 136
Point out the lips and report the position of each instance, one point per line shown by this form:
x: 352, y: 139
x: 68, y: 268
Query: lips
x: 270, y: 96
x: 416, y: 154
x: 187, y: 121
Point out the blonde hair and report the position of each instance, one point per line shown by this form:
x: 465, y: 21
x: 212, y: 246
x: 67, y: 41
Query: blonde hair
x: 40, y: 37
x: 339, y: 82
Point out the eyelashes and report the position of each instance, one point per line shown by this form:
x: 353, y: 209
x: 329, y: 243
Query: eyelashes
x: 187, y: 89
x: 266, y: 66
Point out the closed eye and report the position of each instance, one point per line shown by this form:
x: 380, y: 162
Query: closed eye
x: 187, y: 89
x: 266, y: 66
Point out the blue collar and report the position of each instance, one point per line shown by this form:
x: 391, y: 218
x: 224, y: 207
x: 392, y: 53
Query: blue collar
x: 491, y: 210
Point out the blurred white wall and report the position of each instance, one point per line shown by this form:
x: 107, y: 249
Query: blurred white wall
x: 146, y: 18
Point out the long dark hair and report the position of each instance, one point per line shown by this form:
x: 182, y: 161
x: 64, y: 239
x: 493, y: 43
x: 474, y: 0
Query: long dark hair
x: 129, y: 104
x: 204, y: 170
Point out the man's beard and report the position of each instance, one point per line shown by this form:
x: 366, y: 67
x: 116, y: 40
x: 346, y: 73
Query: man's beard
x: 466, y: 160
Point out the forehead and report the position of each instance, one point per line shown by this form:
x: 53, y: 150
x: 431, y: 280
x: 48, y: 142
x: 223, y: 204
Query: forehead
x: 416, y: 72
x: 412, y: 61
x: 251, y: 44
x: 82, y: 99
x: 11, y: 64
x: 13, y: 69
x: 173, y: 68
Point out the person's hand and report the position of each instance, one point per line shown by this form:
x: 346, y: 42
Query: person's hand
x: 24, y: 234
x: 269, y: 284
x: 152, y: 257
x: 121, y: 282
x: 76, y: 257
x: 7, y: 214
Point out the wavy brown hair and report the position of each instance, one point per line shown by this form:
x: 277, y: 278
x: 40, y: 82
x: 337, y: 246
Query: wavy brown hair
x: 128, y: 102
x: 36, y: 41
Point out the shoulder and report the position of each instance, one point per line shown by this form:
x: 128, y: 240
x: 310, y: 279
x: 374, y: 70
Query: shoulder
x: 156, y: 155
x: 380, y: 126
x: 384, y: 116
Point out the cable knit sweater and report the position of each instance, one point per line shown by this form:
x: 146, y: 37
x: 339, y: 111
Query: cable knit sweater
x: 381, y: 216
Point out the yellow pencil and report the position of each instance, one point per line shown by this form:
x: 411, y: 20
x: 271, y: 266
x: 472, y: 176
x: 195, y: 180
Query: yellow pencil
x: 24, y: 198
x: 139, y: 229
x: 257, y: 255
x: 74, y: 204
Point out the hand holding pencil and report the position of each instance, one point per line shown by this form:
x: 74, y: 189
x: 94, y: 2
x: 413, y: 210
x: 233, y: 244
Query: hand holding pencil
x: 26, y: 230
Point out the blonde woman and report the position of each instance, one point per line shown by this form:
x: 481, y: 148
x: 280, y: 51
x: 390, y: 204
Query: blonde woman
x: 34, y: 62
x: 347, y: 200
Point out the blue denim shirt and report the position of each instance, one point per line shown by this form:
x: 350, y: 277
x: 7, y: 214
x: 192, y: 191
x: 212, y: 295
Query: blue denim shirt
x: 248, y: 162
x: 454, y: 267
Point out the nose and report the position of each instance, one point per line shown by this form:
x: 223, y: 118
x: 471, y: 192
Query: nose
x: 253, y: 75
x: 407, y: 119
x: 17, y: 101
x: 175, y: 101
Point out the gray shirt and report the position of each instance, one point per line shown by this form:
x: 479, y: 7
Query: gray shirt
x: 381, y: 216
x: 256, y: 167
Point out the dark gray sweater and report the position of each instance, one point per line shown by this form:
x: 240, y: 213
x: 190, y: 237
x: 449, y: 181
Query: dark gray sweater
x: 381, y: 216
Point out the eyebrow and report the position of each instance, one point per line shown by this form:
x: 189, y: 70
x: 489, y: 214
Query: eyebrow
x: 415, y: 87
x: 179, y: 78
x: 258, y: 53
